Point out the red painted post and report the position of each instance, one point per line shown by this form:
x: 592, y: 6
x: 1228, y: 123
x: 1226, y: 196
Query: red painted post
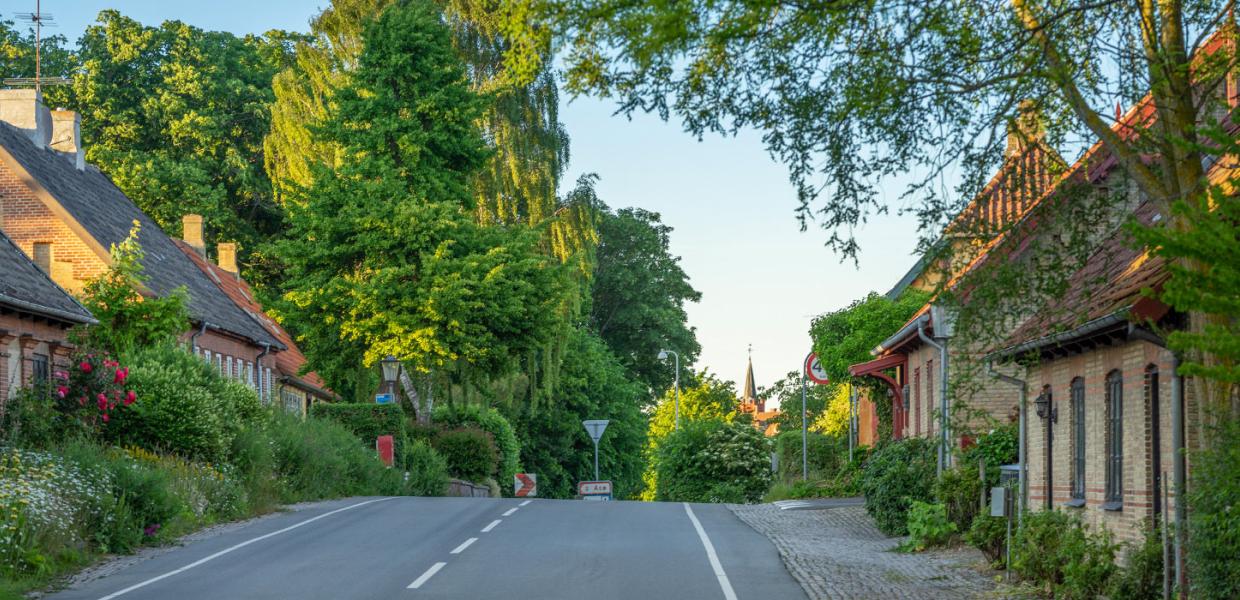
x: 384, y: 445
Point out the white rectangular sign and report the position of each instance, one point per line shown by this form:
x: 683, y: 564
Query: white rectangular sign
x: 594, y: 488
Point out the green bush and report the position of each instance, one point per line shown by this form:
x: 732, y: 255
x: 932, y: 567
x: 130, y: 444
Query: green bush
x: 492, y: 422
x: 184, y: 406
x: 1057, y: 552
x: 928, y: 526
x: 825, y: 454
x: 1214, y: 515
x: 1142, y: 578
x: 713, y: 461
x: 998, y: 447
x: 317, y: 458
x: 989, y: 534
x: 469, y: 452
x: 30, y: 420
x: 253, y: 457
x: 427, y: 471
x: 959, y: 490
x: 367, y: 421
x: 896, y: 474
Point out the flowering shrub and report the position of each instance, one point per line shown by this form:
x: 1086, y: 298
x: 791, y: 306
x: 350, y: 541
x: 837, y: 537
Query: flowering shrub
x: 713, y: 461
x: 93, y: 391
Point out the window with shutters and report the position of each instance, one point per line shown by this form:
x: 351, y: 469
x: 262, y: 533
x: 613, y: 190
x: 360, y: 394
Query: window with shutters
x: 1115, y: 441
x: 1078, y: 440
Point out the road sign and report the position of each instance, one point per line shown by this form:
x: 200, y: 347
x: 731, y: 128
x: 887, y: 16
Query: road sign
x: 594, y: 490
x: 596, y: 428
x: 525, y: 484
x: 383, y: 399
x: 814, y: 370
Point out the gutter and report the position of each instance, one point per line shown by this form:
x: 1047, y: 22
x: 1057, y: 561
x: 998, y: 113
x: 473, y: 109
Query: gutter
x: 945, y: 459
x: 907, y: 330
x: 1021, y: 437
x: 258, y: 366
x: 193, y: 338
x: 1096, y: 325
x: 39, y: 309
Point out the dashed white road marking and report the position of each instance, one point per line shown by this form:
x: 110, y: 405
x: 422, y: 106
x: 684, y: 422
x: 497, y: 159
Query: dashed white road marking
x: 491, y: 526
x: 462, y: 547
x: 526, y: 502
x: 236, y: 547
x: 728, y: 592
x: 417, y: 583
x: 510, y: 511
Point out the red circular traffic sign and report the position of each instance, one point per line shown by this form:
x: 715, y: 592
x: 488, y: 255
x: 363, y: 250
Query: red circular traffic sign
x: 814, y: 370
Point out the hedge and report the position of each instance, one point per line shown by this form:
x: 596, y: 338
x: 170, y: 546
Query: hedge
x: 898, y: 473
x: 366, y: 420
x: 490, y: 421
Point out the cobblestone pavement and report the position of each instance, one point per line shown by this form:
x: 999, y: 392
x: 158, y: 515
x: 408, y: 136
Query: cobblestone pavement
x: 838, y: 553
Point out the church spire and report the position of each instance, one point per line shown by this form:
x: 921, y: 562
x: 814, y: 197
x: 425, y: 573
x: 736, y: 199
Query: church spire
x: 750, y: 394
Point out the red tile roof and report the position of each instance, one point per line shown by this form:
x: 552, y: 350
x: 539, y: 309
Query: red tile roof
x: 289, y: 362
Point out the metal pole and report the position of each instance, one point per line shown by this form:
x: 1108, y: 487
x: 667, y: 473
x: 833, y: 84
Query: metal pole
x: 677, y: 425
x: 852, y: 398
x: 596, y: 460
x: 804, y: 432
x: 1177, y: 473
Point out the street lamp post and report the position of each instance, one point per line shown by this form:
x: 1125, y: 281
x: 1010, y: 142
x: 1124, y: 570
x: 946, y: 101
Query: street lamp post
x: 804, y: 427
x: 663, y: 357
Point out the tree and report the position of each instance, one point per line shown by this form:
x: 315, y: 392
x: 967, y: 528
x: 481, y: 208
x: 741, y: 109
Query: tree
x: 845, y: 337
x: 592, y: 385
x: 17, y: 58
x: 638, y: 296
x: 383, y: 256
x: 786, y: 395
x: 710, y: 399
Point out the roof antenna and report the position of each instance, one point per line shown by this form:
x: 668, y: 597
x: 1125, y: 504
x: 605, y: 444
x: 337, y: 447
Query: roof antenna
x: 39, y: 19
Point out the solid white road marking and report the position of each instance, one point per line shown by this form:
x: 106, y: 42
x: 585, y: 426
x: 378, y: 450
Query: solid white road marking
x: 526, y: 502
x: 726, y: 585
x: 237, y: 547
x: 462, y: 547
x: 491, y: 526
x: 510, y: 511
x: 417, y: 583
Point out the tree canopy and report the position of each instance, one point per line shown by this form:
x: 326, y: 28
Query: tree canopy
x: 845, y: 337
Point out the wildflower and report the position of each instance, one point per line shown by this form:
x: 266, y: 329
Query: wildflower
x: 103, y: 401
x: 151, y: 530
x: 86, y: 367
x: 105, y: 417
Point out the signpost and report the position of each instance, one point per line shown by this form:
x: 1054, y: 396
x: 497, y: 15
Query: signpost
x: 383, y: 398
x: 525, y: 484
x: 595, y: 428
x: 814, y: 371
x: 594, y: 490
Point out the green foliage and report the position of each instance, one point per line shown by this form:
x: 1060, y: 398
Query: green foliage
x: 786, y: 394
x: 428, y: 471
x: 127, y: 319
x: 825, y: 455
x: 1058, y: 553
x: 928, y: 526
x: 469, y: 452
x: 366, y: 421
x: 500, y: 430
x: 638, y: 296
x: 997, y: 447
x: 846, y: 336
x: 713, y: 461
x: 30, y: 420
x: 709, y: 399
x: 896, y: 474
x: 989, y: 534
x: 183, y: 405
x: 1142, y: 578
x: 317, y: 458
x: 1214, y: 515
x: 959, y: 491
x: 554, y: 445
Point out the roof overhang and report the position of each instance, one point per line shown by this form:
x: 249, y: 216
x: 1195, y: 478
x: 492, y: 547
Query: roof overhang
x: 44, y: 311
x: 877, y: 365
x: 902, y: 336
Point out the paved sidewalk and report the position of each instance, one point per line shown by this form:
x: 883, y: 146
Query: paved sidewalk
x: 838, y: 553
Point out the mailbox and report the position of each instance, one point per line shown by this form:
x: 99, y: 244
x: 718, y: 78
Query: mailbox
x: 1009, y: 474
x: 998, y: 501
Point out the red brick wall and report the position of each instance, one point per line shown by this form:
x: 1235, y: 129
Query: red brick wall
x: 20, y: 336
x: 223, y: 347
x: 26, y: 220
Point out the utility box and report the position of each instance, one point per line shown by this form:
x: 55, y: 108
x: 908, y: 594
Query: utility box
x: 1009, y: 475
x: 999, y: 501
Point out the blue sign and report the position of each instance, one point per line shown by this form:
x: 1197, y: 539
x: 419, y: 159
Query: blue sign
x: 383, y: 398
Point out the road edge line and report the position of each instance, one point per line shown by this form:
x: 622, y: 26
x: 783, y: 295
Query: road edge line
x: 724, y: 584
x: 423, y: 578
x: 212, y: 557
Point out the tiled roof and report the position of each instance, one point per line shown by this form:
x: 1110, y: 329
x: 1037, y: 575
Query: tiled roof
x: 288, y: 361
x: 1111, y: 280
x: 26, y: 288
x: 107, y: 215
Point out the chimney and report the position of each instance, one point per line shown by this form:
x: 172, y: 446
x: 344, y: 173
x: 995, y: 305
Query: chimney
x: 226, y: 257
x: 67, y: 136
x: 1025, y: 128
x: 24, y: 110
x: 191, y: 232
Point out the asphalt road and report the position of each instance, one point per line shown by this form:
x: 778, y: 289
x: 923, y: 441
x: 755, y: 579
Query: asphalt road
x: 364, y: 548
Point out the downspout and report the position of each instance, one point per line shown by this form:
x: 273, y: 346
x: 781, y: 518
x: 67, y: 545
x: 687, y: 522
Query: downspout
x: 193, y: 338
x: 944, y: 455
x: 258, y: 366
x: 1178, y: 468
x: 1020, y: 452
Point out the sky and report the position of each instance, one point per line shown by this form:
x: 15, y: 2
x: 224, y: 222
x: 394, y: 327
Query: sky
x: 731, y: 206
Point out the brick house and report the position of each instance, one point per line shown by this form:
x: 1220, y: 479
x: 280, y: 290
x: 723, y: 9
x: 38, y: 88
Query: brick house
x: 295, y: 391
x: 35, y: 314
x: 65, y: 215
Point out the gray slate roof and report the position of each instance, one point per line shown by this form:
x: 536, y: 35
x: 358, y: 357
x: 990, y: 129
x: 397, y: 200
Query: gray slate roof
x: 108, y: 215
x: 26, y: 288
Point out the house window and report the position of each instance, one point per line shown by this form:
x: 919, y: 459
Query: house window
x: 40, y: 370
x: 917, y: 401
x: 1115, y: 441
x: 267, y: 378
x: 249, y: 374
x: 1078, y: 440
x: 1151, y: 399
x: 206, y: 355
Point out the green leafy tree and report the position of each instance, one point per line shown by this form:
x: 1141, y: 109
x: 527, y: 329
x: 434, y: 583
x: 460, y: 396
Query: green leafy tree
x: 639, y: 295
x: 785, y: 394
x: 592, y: 385
x: 129, y: 318
x: 709, y: 399
x: 383, y: 256
x: 846, y: 336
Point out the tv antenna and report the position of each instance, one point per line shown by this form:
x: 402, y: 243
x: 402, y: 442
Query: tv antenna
x: 39, y: 19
